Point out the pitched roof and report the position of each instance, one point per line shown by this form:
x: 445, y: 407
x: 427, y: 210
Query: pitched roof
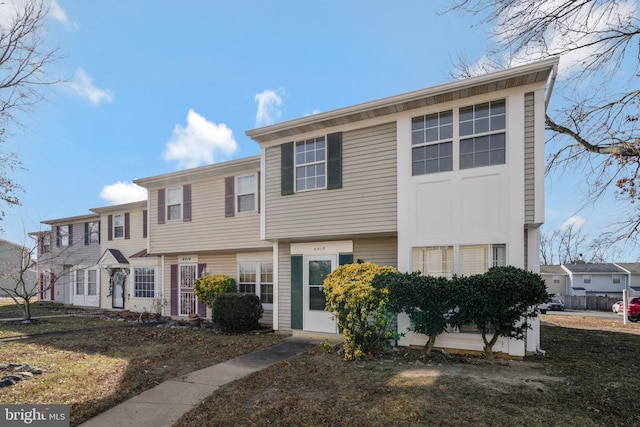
x: 552, y: 269
x: 594, y: 268
x: 512, y: 77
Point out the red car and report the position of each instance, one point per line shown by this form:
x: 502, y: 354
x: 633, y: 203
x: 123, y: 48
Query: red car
x: 633, y: 311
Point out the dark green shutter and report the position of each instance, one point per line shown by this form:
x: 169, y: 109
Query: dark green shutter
x: 334, y: 160
x: 286, y: 169
x: 296, y: 291
x: 345, y: 259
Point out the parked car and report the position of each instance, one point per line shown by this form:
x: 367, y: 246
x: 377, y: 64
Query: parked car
x: 554, y: 305
x: 616, y: 307
x: 633, y: 310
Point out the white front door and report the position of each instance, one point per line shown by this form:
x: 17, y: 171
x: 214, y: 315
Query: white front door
x: 315, y: 318
x: 85, y: 288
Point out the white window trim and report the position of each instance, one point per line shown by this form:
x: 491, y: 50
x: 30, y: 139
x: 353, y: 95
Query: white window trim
x: 455, y: 263
x: 64, y: 235
x: 296, y: 165
x: 155, y: 280
x: 181, y: 204
x: 238, y: 194
x: 258, y: 264
x: 113, y: 230
x: 96, y: 232
x: 85, y: 280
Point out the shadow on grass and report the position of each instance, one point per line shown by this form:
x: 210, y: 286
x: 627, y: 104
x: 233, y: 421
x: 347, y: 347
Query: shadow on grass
x: 580, y: 382
x: 94, y: 371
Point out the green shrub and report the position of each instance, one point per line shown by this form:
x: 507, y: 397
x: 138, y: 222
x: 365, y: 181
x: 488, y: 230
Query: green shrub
x: 425, y: 299
x: 237, y: 312
x: 207, y: 288
x: 360, y: 308
x: 499, y: 301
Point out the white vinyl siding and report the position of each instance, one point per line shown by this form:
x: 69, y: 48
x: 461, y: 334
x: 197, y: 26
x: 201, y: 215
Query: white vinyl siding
x: 366, y: 203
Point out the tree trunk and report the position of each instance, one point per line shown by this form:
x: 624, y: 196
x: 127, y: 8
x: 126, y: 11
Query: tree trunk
x: 430, y: 343
x: 26, y: 310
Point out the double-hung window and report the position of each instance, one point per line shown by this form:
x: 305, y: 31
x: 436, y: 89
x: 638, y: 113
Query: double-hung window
x: 118, y: 226
x: 310, y: 164
x: 587, y: 279
x: 174, y: 203
x: 79, y: 282
x: 247, y: 190
x: 46, y: 243
x: 434, y: 261
x: 616, y: 278
x: 482, y: 134
x: 144, y: 282
x: 256, y: 278
x: 63, y: 235
x: 93, y: 231
x: 432, y: 140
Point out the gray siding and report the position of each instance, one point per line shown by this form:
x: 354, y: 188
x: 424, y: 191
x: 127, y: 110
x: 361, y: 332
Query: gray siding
x: 365, y: 204
x: 529, y: 159
x: 209, y: 229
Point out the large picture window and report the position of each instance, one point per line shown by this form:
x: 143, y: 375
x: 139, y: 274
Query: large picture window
x: 434, y: 261
x: 477, y: 132
x: 439, y: 261
x: 310, y: 162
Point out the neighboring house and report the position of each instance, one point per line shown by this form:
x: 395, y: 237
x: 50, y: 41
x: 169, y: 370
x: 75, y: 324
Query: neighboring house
x: 633, y: 276
x: 206, y: 221
x: 446, y: 180
x: 596, y: 280
x: 14, y: 260
x: 65, y: 252
x: 128, y: 277
x: 556, y: 278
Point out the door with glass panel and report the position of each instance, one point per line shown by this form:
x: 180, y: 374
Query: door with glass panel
x: 86, y: 288
x: 315, y: 318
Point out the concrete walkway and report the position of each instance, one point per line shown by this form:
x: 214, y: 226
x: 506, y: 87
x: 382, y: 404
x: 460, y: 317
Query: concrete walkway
x: 164, y: 404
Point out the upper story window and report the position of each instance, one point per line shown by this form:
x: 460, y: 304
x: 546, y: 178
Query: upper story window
x: 247, y: 190
x: 118, y: 226
x: 63, y: 236
x: 556, y: 280
x: 476, y: 131
x: 432, y: 140
x: 482, y: 134
x: 616, y: 278
x: 174, y: 203
x: 46, y: 243
x: 310, y: 164
x: 93, y: 232
x: 587, y: 278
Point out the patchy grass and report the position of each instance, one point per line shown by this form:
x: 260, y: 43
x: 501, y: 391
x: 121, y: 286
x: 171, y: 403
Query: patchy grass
x: 93, y: 371
x: 9, y: 309
x: 587, y: 378
x: 61, y: 324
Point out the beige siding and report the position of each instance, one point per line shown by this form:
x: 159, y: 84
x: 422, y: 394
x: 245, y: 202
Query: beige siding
x: 209, y: 229
x: 365, y: 204
x: 284, y: 287
x: 529, y: 159
x: 224, y: 263
x: 380, y: 250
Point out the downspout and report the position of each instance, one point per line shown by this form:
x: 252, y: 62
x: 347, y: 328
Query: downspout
x: 551, y: 83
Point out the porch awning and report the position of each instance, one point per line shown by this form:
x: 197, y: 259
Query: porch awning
x: 113, y: 258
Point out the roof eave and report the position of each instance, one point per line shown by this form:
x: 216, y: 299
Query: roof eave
x: 516, y: 76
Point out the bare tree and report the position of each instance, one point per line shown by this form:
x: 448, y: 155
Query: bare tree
x: 567, y: 245
x: 597, y: 131
x: 20, y: 278
x: 24, y: 59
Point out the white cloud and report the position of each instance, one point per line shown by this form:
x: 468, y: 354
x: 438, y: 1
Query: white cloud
x: 575, y: 221
x: 197, y: 143
x: 269, y: 103
x: 123, y: 192
x: 315, y: 111
x: 82, y: 85
x: 580, y: 29
x: 58, y: 13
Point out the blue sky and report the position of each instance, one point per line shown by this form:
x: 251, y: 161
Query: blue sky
x: 155, y: 86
